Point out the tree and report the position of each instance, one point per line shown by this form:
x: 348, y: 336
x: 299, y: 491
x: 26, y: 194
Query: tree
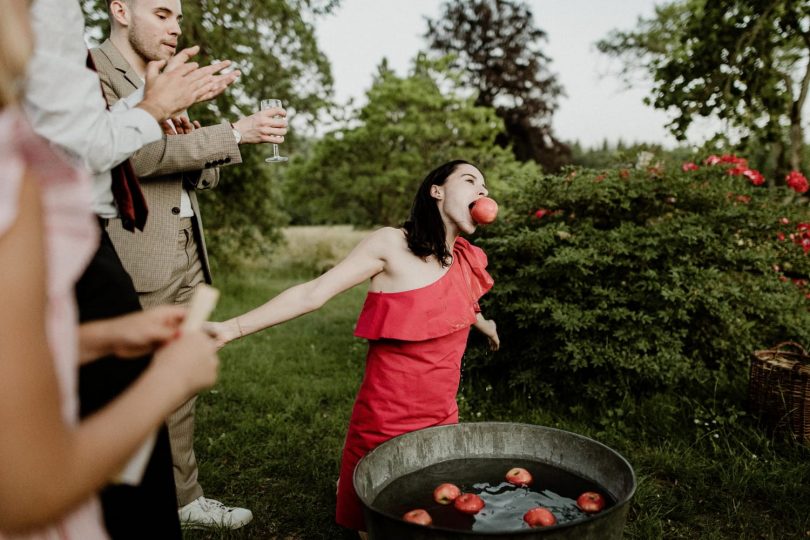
x: 496, y: 47
x: 273, y: 44
x: 745, y: 61
x: 367, y: 172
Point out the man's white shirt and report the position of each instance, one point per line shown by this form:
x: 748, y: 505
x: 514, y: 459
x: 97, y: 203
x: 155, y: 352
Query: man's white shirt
x: 64, y: 103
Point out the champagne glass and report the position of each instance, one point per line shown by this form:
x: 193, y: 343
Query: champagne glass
x: 269, y: 104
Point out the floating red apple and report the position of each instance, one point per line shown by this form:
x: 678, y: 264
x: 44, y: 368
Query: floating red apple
x: 446, y: 493
x: 418, y: 516
x: 539, y: 517
x: 519, y: 477
x: 484, y: 211
x: 591, y: 502
x: 469, y: 503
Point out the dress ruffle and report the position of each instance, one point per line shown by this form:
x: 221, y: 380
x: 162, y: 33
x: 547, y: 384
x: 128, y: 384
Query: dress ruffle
x: 445, y: 306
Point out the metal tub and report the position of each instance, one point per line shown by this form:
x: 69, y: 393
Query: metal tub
x: 568, y: 451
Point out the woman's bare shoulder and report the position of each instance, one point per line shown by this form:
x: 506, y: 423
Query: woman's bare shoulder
x: 388, y: 236
x: 385, y: 241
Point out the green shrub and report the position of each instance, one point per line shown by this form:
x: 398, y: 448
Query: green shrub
x: 638, y: 282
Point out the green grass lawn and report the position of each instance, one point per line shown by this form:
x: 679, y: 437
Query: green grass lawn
x: 269, y: 437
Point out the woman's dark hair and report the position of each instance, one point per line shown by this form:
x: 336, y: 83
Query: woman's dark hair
x: 424, y: 229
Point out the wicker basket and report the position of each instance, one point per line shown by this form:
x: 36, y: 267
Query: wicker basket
x: 779, y: 390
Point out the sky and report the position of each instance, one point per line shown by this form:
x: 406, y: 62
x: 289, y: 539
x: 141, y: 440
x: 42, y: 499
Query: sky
x: 597, y: 105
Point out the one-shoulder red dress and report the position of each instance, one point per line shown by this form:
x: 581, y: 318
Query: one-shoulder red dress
x: 416, y: 340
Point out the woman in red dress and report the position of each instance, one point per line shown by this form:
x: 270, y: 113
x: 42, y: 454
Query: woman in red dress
x: 423, y: 298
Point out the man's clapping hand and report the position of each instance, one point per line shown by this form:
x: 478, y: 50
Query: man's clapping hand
x: 179, y: 125
x: 172, y: 87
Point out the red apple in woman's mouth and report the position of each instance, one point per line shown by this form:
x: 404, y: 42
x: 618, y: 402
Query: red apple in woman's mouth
x: 484, y: 210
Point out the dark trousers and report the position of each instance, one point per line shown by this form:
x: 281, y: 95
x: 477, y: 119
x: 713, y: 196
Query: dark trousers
x: 148, y: 510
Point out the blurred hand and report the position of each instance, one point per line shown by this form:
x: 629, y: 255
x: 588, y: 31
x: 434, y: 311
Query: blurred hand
x: 142, y: 332
x: 190, y: 360
x: 263, y: 127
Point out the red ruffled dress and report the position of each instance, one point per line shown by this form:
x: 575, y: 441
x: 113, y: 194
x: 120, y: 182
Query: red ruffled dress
x: 416, y: 341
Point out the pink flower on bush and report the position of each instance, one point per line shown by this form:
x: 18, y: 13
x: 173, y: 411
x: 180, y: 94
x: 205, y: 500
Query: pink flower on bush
x: 784, y: 221
x: 739, y: 167
x: 737, y: 170
x: 754, y: 176
x: 802, y: 236
x: 541, y: 212
x: 780, y: 236
x: 730, y: 159
x: 711, y: 160
x: 797, y: 182
x: 689, y: 166
x: 734, y: 160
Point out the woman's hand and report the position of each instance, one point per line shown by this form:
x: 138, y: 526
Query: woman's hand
x: 222, y: 332
x: 190, y: 361
x: 489, y: 329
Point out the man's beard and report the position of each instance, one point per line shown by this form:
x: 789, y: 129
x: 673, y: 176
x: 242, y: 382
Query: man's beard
x: 142, y: 49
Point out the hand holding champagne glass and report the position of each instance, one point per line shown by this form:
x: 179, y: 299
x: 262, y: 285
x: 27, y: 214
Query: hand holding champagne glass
x: 269, y: 104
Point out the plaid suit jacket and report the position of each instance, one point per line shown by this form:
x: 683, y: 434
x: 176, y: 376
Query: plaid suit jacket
x: 164, y: 168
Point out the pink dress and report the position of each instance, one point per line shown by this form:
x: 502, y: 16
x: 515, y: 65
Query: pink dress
x: 416, y: 341
x: 70, y: 240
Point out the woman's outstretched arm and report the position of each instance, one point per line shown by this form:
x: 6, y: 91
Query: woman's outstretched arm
x: 366, y: 260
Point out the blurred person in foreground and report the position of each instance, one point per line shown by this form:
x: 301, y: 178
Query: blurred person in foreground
x: 64, y: 102
x: 51, y: 464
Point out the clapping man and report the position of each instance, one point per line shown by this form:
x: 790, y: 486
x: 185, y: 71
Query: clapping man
x: 169, y: 259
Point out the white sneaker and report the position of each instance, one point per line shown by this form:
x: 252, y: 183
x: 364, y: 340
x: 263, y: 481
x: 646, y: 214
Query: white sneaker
x: 204, y: 512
